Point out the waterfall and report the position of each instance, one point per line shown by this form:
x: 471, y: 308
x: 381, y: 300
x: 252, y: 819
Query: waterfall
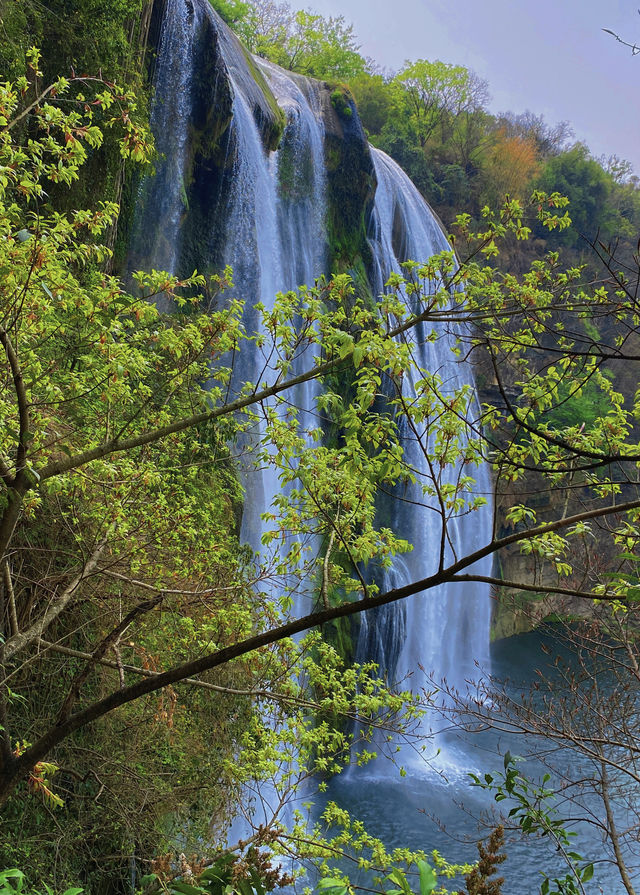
x: 270, y: 222
x: 443, y: 634
x: 218, y: 196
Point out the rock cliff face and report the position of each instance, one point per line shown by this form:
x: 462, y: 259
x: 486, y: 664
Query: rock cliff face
x: 351, y: 180
x: 516, y: 611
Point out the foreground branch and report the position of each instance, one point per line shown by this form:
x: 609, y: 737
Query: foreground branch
x: 21, y: 765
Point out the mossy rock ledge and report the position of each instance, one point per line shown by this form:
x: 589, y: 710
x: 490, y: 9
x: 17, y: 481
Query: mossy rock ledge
x: 517, y: 611
x: 351, y: 182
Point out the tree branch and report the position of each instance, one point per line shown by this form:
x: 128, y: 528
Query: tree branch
x: 613, y: 831
x: 21, y: 395
x: 20, y: 641
x: 8, y: 583
x: 535, y: 589
x: 100, y: 652
x: 177, y: 674
x: 117, y: 445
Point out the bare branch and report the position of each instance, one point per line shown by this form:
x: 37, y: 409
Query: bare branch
x: 100, y: 652
x: 20, y: 641
x: 8, y: 583
x: 21, y: 395
x: 635, y: 49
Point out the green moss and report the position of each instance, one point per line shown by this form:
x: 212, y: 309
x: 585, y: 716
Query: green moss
x: 342, y: 635
x: 518, y: 612
x: 296, y: 173
x: 342, y: 101
x: 272, y: 131
x: 351, y: 186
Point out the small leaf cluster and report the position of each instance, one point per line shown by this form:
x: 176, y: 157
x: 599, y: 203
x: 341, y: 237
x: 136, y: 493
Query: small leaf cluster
x: 14, y: 882
x: 535, y: 815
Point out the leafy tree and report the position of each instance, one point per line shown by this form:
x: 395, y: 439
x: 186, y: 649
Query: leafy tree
x: 304, y: 42
x: 231, y: 11
x: 374, y: 99
x: 267, y: 27
x: 111, y: 440
x: 437, y: 92
x: 581, y: 179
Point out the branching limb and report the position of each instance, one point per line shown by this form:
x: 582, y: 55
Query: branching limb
x: 99, y: 653
x: 21, y: 640
x: 21, y: 396
x: 635, y: 49
x: 325, y: 570
x: 11, y: 599
x: 80, y: 719
x: 612, y: 831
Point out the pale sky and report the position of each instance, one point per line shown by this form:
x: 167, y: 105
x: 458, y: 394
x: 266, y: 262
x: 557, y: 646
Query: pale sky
x: 548, y: 56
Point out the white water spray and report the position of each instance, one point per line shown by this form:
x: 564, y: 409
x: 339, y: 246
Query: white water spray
x: 157, y: 243
x: 444, y: 633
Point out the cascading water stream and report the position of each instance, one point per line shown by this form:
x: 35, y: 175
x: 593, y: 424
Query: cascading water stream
x: 276, y: 242
x: 274, y: 238
x: 156, y: 244
x: 252, y: 249
x: 443, y: 634
x: 299, y: 170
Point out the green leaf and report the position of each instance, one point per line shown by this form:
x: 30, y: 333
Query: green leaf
x: 336, y: 886
x: 257, y: 882
x: 428, y: 880
x: 11, y: 881
x: 186, y: 889
x: 587, y: 873
x: 397, y: 876
x: 215, y: 875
